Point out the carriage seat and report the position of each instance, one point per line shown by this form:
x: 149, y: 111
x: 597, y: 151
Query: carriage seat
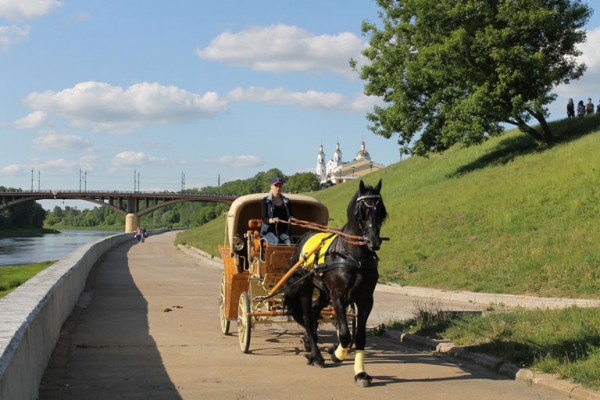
x: 254, y: 223
x: 254, y: 233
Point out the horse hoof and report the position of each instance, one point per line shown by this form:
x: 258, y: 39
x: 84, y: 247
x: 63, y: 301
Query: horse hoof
x: 363, y: 379
x: 334, y: 358
x: 317, y: 362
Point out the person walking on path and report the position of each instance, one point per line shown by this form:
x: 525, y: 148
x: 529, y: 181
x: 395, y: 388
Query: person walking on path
x: 138, y: 234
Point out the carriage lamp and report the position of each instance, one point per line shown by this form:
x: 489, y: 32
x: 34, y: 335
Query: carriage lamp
x: 238, y: 243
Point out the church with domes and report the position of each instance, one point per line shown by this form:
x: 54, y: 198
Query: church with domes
x: 335, y: 170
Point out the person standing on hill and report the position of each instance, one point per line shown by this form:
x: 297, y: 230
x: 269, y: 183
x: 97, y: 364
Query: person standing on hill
x: 580, y: 109
x: 589, y: 107
x: 570, y: 109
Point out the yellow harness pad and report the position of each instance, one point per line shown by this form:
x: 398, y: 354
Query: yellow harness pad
x: 313, y: 242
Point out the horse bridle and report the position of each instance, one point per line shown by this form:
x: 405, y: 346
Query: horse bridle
x: 361, y: 199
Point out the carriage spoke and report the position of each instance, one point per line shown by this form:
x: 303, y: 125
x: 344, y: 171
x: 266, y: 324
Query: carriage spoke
x: 224, y: 321
x: 244, y: 322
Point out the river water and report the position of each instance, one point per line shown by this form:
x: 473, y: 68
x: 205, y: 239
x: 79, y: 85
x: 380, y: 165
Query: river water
x: 27, y: 250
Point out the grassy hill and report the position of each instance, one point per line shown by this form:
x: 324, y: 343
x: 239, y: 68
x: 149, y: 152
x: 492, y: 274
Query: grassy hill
x: 507, y: 216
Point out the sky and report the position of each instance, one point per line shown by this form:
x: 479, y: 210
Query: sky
x: 171, y: 95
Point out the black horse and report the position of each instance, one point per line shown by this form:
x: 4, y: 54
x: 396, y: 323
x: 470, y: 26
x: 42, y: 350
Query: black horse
x: 345, y: 274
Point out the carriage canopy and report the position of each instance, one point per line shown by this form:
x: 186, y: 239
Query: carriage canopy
x: 245, y: 208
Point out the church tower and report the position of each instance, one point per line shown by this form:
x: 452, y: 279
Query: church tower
x: 337, y: 155
x: 321, y: 172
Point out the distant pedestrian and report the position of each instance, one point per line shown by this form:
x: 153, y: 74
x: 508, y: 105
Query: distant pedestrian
x: 144, y: 234
x: 570, y: 109
x: 580, y: 109
x: 138, y: 234
x: 589, y: 107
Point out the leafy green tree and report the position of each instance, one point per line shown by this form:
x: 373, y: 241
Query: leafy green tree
x: 302, y: 182
x: 453, y: 71
x: 28, y: 214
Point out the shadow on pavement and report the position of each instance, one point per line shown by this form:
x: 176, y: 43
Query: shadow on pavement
x: 105, y: 350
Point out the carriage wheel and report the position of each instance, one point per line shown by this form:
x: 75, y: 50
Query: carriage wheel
x: 224, y: 320
x: 244, y: 322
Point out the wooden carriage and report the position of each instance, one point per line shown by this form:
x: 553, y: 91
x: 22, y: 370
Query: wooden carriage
x: 253, y: 268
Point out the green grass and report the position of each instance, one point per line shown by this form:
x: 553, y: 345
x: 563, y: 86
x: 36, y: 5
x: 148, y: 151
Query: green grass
x: 564, y: 342
x: 13, y: 276
x: 508, y: 216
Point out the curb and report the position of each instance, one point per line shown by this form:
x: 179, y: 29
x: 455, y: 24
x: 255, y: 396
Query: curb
x: 194, y: 252
x: 447, y: 348
x: 487, y: 299
x: 497, y: 365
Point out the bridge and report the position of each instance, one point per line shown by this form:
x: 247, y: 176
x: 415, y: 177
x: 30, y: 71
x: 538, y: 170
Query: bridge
x: 130, y: 204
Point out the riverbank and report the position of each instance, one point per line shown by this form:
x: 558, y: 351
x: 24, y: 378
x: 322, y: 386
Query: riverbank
x: 26, y: 232
x: 13, y: 276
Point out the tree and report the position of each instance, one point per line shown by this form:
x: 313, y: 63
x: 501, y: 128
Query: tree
x: 302, y: 182
x: 454, y: 71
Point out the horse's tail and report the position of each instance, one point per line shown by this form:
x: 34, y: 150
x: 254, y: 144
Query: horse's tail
x: 293, y: 294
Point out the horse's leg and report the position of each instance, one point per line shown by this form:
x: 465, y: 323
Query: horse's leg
x: 344, y: 336
x: 317, y: 307
x: 363, y: 310
x: 314, y: 357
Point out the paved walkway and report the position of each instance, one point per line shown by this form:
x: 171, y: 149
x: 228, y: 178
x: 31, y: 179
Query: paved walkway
x: 147, y: 327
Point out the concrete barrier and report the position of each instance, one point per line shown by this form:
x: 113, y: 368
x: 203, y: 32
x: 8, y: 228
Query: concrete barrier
x: 33, y: 314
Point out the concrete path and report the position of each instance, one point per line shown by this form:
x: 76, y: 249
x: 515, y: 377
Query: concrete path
x: 147, y: 327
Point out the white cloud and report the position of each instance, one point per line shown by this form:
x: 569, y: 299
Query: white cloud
x: 31, y: 120
x: 26, y: 9
x: 310, y: 99
x: 12, y: 169
x: 240, y: 161
x: 285, y: 48
x: 88, y: 163
x: 50, y: 167
x: 101, y: 106
x: 58, y: 141
x: 10, y: 35
x: 128, y: 159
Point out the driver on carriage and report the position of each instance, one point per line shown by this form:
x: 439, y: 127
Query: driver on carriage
x: 275, y: 208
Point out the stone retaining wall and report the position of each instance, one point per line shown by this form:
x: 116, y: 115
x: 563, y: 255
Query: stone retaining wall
x: 32, y: 315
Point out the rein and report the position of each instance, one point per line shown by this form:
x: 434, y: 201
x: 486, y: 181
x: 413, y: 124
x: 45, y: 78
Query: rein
x: 351, y: 239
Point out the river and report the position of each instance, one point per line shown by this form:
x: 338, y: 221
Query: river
x: 27, y: 250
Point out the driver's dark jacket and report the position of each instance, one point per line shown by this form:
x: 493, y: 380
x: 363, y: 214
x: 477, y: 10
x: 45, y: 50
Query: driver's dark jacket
x: 268, y: 210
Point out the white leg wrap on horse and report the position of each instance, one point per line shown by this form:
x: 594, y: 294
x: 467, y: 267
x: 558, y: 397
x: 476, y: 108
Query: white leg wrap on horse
x: 341, y: 352
x: 359, y: 361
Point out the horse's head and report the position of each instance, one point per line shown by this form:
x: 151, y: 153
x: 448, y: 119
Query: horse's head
x: 367, y: 212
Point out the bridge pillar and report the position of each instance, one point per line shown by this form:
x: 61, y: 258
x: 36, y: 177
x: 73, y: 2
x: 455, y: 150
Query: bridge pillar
x: 131, y: 222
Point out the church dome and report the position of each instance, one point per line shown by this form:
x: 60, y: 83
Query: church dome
x: 363, y: 154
